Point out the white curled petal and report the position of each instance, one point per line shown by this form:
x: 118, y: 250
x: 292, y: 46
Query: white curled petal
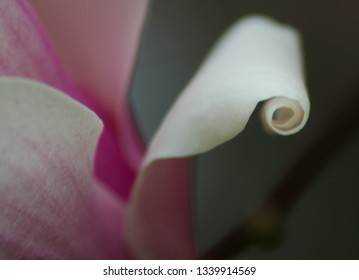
x: 256, y: 60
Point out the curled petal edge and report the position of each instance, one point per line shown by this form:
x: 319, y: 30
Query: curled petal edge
x: 257, y: 60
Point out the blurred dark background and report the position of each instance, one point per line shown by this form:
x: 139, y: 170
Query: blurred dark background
x: 233, y: 180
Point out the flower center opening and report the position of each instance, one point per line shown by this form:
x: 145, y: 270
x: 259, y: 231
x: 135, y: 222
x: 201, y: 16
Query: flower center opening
x: 281, y: 116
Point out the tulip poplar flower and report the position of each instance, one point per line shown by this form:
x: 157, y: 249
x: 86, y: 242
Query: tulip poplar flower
x: 75, y: 182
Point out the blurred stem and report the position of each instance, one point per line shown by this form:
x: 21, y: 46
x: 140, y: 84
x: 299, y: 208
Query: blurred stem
x: 340, y: 124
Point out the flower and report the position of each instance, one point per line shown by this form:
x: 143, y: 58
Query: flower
x: 52, y: 115
x: 47, y: 199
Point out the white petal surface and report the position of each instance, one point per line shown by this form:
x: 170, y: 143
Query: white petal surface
x: 47, y: 144
x: 257, y: 59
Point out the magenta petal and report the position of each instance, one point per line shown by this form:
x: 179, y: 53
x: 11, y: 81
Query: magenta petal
x: 47, y: 144
x: 111, y: 166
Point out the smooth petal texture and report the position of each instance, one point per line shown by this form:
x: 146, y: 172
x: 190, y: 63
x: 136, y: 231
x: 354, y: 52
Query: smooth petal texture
x: 25, y: 51
x: 159, y: 224
x: 24, y: 48
x: 257, y: 59
x: 48, y: 208
x: 98, y: 41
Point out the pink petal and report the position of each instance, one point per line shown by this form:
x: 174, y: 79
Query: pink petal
x: 111, y: 166
x: 97, y: 41
x: 47, y: 144
x: 160, y: 217
x: 24, y: 48
x: 26, y: 52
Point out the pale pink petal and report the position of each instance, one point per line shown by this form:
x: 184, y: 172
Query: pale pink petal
x: 97, y: 42
x: 47, y: 144
x: 109, y: 216
x: 24, y: 48
x: 25, y: 51
x: 161, y: 215
x: 256, y: 60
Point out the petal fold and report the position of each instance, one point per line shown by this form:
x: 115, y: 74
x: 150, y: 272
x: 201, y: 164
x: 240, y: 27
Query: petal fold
x: 258, y: 59
x: 47, y: 146
x: 97, y: 42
